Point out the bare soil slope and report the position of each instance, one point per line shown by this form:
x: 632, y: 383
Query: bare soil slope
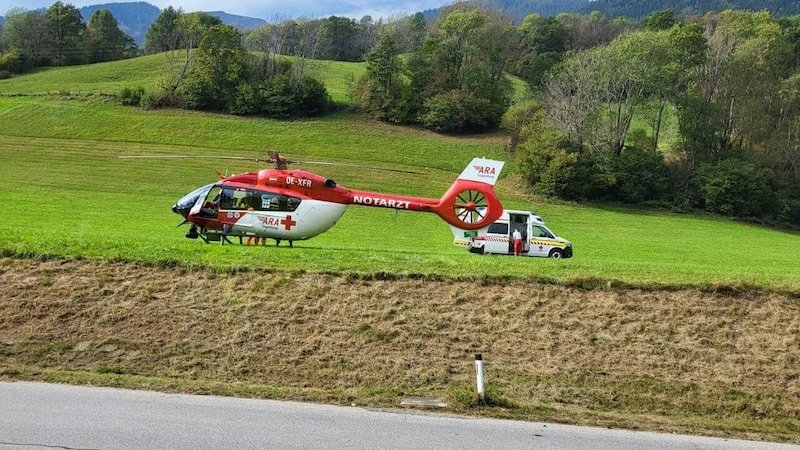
x: 724, y: 364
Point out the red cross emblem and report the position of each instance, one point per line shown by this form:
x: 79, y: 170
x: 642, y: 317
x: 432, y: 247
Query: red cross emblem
x: 288, y: 222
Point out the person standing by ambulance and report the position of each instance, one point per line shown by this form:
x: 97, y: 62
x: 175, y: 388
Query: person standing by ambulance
x: 517, y: 242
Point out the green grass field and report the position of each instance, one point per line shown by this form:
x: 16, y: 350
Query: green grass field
x: 661, y: 321
x: 67, y: 193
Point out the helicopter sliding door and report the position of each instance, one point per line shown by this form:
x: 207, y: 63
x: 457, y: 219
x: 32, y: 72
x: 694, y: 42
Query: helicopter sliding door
x: 246, y: 199
x: 254, y: 211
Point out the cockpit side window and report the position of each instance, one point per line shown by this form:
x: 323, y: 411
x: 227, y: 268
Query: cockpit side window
x: 235, y: 198
x: 211, y: 203
x: 255, y: 200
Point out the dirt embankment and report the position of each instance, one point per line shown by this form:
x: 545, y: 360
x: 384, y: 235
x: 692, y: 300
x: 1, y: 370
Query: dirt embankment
x: 678, y: 354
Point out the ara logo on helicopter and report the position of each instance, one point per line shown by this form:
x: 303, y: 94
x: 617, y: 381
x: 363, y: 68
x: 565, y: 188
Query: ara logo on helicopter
x: 308, y: 204
x: 488, y: 171
x: 274, y: 222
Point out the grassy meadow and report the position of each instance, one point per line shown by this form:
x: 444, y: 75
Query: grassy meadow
x: 660, y: 321
x: 67, y: 193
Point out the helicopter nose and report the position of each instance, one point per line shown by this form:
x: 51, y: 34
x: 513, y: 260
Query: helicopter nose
x: 185, y: 204
x: 182, y: 211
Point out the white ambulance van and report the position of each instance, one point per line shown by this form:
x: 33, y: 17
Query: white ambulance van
x: 537, y: 239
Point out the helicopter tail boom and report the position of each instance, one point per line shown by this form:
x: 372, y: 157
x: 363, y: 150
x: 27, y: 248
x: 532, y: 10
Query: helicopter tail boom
x: 469, y: 204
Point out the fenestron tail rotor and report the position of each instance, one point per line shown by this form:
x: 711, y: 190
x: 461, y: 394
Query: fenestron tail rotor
x: 470, y: 206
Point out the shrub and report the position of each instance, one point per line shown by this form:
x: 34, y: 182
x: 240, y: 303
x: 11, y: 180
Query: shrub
x: 14, y: 62
x: 589, y: 179
x: 312, y: 98
x: 131, y: 96
x: 459, y: 111
x: 277, y: 97
x: 544, y: 160
x: 246, y: 101
x: 200, y: 92
x: 737, y: 188
x: 517, y: 121
x: 441, y: 113
x: 163, y: 99
x: 641, y: 173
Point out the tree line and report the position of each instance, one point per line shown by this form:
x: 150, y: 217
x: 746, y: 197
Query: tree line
x: 681, y: 111
x: 59, y: 36
x: 638, y: 10
x: 725, y: 85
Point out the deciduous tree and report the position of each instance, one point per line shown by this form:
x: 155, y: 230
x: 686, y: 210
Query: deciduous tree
x: 220, y: 68
x: 28, y: 31
x: 105, y: 41
x: 163, y: 34
x: 65, y: 24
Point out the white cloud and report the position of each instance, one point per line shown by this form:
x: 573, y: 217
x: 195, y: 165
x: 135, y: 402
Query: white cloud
x: 266, y: 9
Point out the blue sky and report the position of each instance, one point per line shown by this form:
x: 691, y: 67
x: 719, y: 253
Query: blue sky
x: 267, y: 9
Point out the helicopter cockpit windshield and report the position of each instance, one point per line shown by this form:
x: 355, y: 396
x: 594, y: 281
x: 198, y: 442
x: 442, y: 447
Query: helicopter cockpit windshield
x: 184, y: 205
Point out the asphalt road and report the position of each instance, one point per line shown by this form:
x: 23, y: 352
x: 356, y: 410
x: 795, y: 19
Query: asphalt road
x: 50, y: 416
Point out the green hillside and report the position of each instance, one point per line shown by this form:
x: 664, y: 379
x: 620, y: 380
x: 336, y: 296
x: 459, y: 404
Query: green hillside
x: 64, y: 147
x: 149, y: 72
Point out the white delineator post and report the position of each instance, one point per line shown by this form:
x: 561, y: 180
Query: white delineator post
x: 479, y: 373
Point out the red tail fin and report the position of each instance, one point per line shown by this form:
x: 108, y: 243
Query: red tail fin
x: 471, y: 202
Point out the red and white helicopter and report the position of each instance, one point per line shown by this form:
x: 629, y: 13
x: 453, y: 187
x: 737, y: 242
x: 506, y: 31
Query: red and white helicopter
x: 293, y: 205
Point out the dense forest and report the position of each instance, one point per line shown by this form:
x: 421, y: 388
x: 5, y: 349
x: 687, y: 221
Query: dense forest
x: 135, y: 18
x: 676, y: 110
x: 638, y: 10
x: 517, y: 10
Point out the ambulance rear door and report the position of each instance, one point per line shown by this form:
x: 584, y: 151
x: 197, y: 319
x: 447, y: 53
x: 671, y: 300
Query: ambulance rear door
x: 518, y: 222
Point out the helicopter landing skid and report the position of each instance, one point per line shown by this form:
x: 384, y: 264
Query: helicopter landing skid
x: 214, y: 236
x: 209, y: 237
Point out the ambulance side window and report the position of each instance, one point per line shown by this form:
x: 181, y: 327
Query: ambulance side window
x: 498, y: 228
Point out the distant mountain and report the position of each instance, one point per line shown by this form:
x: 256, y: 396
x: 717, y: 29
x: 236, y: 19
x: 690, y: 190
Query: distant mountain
x: 519, y: 9
x: 2, y: 20
x: 240, y: 22
x: 635, y: 10
x: 135, y: 18
x: 638, y: 10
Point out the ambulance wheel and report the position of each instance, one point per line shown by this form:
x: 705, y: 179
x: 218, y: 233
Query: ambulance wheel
x: 478, y: 250
x: 556, y: 253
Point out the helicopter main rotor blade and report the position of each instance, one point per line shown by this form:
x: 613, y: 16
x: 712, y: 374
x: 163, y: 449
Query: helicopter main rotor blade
x: 360, y: 166
x: 240, y: 158
x: 275, y: 159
